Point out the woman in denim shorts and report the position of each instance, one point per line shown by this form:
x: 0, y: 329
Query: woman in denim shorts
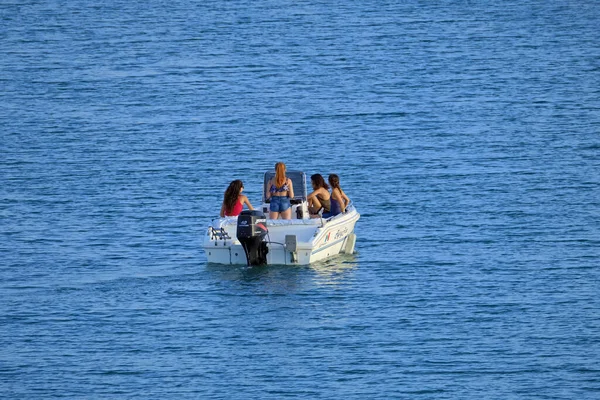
x: 280, y: 190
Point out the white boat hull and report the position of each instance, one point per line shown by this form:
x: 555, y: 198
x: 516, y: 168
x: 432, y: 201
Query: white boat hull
x: 289, y: 242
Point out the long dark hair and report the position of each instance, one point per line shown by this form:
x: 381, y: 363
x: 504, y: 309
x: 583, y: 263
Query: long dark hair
x: 318, y: 181
x: 334, y: 181
x: 231, y: 195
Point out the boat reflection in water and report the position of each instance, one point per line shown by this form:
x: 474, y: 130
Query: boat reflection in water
x: 335, y: 271
x: 244, y: 281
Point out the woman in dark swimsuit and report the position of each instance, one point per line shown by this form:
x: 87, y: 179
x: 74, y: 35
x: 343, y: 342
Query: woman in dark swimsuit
x: 339, y: 200
x: 280, y: 190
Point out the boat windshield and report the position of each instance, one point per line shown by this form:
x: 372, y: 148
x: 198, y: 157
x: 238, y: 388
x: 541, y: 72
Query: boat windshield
x: 298, y: 180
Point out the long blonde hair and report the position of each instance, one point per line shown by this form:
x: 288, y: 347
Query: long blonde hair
x: 280, y: 177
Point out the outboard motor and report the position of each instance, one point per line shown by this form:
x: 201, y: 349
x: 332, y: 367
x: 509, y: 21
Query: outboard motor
x: 251, y: 230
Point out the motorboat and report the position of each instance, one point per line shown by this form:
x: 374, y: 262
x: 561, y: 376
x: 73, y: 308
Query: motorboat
x: 253, y: 239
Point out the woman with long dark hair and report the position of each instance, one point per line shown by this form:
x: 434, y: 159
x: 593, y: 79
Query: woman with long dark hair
x: 279, y: 191
x: 339, y: 200
x: 234, y: 200
x: 319, y: 199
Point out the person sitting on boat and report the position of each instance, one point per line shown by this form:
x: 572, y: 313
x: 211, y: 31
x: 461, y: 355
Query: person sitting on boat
x: 280, y: 190
x: 319, y: 199
x: 234, y: 200
x: 339, y: 200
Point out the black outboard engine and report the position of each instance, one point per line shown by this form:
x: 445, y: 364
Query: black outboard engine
x: 251, y: 230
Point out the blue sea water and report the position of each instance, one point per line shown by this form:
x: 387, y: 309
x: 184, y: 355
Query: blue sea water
x: 467, y: 133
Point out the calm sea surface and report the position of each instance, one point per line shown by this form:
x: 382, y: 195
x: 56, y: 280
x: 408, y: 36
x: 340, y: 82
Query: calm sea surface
x: 467, y: 133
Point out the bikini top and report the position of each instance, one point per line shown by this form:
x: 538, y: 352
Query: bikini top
x: 275, y: 189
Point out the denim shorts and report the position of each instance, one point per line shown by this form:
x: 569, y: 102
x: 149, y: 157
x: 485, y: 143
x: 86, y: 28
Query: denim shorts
x: 279, y: 203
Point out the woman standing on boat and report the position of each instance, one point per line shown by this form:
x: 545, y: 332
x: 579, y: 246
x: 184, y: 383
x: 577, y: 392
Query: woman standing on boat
x: 234, y: 200
x: 339, y: 200
x: 280, y: 190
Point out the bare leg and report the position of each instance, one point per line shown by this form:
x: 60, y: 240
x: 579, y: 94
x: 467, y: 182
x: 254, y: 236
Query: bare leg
x: 273, y: 215
x: 315, y: 206
x: 287, y: 214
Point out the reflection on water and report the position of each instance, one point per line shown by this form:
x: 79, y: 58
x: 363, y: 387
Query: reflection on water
x: 286, y: 278
x: 334, y: 271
